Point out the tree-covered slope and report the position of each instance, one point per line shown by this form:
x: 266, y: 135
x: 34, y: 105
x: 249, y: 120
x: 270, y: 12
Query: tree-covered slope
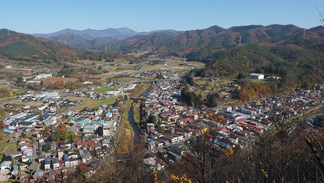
x: 197, y: 44
x: 18, y: 46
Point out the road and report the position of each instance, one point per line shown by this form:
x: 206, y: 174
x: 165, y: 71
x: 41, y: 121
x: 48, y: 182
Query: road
x: 34, y: 164
x: 118, y: 130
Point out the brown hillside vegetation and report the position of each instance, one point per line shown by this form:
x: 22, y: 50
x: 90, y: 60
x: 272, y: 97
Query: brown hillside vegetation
x: 19, y: 46
x: 283, y: 157
x: 55, y: 79
x: 212, y: 38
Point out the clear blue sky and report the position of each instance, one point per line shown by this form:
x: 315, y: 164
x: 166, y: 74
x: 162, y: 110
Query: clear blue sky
x: 43, y: 16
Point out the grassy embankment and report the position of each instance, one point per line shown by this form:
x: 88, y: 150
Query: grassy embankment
x: 136, y: 108
x: 126, y: 135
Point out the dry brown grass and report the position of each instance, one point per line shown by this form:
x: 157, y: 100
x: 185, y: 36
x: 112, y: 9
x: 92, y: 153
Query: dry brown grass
x: 54, y: 79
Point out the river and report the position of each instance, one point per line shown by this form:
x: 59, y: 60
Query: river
x: 136, y: 129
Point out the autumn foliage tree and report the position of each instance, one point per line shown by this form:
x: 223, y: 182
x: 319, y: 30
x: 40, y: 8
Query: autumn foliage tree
x: 62, y: 134
x: 252, y: 89
x: 59, y: 84
x: 10, y: 94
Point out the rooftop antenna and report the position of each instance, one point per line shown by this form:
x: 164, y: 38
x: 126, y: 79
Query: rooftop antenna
x: 240, y: 41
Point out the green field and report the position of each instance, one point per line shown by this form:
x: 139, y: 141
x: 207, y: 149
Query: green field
x: 258, y: 81
x: 3, y: 144
x: 94, y: 103
x: 12, y: 147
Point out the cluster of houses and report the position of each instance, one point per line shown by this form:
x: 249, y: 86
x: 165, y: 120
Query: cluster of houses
x: 235, y: 126
x: 98, y: 95
x: 165, y: 72
x: 95, y: 130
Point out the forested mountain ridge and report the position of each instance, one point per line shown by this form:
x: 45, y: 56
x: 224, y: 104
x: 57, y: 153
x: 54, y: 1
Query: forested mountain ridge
x: 19, y: 46
x: 198, y: 44
x: 213, y: 38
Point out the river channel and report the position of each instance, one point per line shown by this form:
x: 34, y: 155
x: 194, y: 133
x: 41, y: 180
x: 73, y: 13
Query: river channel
x: 136, y: 128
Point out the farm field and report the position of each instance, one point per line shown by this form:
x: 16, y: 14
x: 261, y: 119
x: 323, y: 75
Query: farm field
x: 103, y: 89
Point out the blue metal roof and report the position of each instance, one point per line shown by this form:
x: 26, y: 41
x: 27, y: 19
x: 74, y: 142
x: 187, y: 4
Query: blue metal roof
x: 81, y: 152
x: 15, y: 168
x: 84, y: 121
x: 99, y: 122
x: 47, y: 161
x: 222, y: 144
x: 7, y: 131
x: 92, y: 127
x: 65, y: 157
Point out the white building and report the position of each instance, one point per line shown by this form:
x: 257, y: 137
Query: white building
x: 12, y: 118
x: 108, y: 128
x: 51, y: 121
x: 256, y: 76
x: 87, y: 83
x: 43, y: 76
x: 99, y: 112
x: 113, y: 93
x: 130, y: 87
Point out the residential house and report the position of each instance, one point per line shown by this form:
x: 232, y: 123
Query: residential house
x: 47, y: 164
x: 51, y: 120
x: 15, y: 170
x: 89, y: 128
x: 55, y: 163
x: 74, y: 162
x: 28, y: 151
x: 5, y: 166
x: 84, y: 122
x: 86, y: 157
x: 13, y: 154
x: 25, y: 158
x: 66, y: 160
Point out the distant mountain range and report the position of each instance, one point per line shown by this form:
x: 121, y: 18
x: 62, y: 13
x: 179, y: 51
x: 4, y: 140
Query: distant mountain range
x: 87, y: 39
x: 92, y: 33
x: 200, y: 45
x: 210, y: 40
x: 19, y: 46
x: 193, y: 43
